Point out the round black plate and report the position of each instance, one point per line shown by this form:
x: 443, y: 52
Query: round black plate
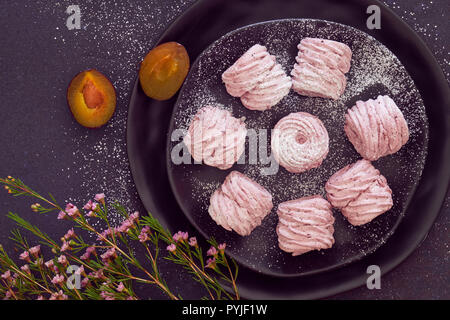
x: 208, y: 20
x: 375, y: 70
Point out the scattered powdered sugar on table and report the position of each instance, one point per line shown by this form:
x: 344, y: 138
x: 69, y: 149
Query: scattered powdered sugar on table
x: 114, y: 38
x: 374, y: 70
x: 421, y: 16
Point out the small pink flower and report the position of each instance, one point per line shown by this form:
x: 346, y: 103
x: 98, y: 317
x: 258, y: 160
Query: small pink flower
x: 6, y: 275
x: 84, y: 282
x: 49, y: 264
x: 61, y: 215
x: 62, y: 260
x: 193, y: 241
x: 80, y: 270
x: 100, y: 197
x: 211, y: 263
x: 59, y: 296
x: 25, y: 268
x: 105, y: 234
x: 87, y: 254
x: 65, y: 246
x: 134, y: 216
x: 8, y: 295
x: 90, y: 205
x: 25, y: 256
x: 99, y: 274
x: 143, y: 236
x: 40, y: 298
x: 222, y: 247
x: 212, y: 252
x: 125, y: 226
x: 172, y: 248
x: 58, y: 279
x: 109, y: 254
x: 35, y: 251
x: 120, y: 287
x: 69, y: 206
x: 84, y: 256
x: 176, y: 237
x: 70, y: 234
x: 72, y: 210
x: 91, y: 214
x: 91, y: 250
x: 130, y: 298
x: 180, y: 236
x: 107, y: 295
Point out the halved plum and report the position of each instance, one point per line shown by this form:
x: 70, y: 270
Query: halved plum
x: 91, y: 98
x: 163, y: 70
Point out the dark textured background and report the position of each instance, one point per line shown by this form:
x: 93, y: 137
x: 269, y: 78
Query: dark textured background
x: 45, y: 147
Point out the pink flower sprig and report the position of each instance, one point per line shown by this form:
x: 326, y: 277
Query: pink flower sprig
x: 186, y: 251
x: 106, y: 274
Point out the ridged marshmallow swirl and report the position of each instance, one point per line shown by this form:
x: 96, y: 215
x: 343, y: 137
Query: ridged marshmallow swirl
x: 320, y: 68
x: 299, y: 142
x: 269, y: 92
x: 376, y: 128
x: 216, y: 137
x: 304, y: 225
x: 249, y: 70
x: 240, y: 204
x: 360, y: 192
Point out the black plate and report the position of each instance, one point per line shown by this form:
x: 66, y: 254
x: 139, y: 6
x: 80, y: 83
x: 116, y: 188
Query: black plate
x: 208, y: 20
x: 375, y: 70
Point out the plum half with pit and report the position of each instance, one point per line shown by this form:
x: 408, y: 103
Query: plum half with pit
x: 91, y: 98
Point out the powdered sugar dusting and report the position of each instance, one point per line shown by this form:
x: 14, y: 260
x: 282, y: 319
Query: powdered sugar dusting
x: 115, y: 36
x: 374, y: 71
